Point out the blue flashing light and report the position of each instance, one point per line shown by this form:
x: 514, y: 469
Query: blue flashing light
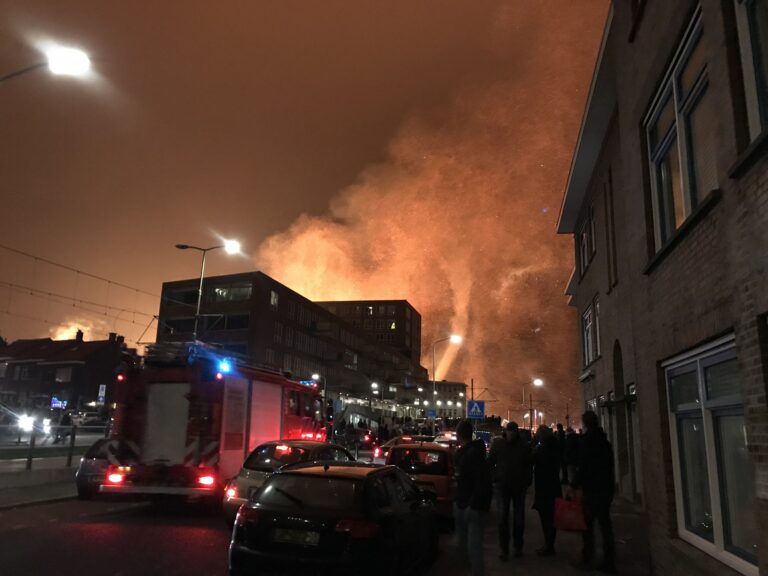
x: 225, y: 367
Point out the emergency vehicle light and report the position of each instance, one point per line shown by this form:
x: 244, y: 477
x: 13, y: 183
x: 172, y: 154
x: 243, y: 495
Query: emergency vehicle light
x: 225, y: 366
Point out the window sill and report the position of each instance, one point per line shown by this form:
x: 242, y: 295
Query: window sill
x: 690, y: 223
x: 754, y: 152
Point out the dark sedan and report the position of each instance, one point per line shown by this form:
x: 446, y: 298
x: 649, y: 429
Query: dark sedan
x: 90, y: 472
x: 344, y: 518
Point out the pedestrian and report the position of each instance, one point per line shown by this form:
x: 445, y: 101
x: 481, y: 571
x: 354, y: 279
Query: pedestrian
x: 560, y: 437
x: 546, y: 478
x: 473, y: 495
x: 595, y: 478
x: 64, y: 428
x: 571, y: 454
x: 510, y: 460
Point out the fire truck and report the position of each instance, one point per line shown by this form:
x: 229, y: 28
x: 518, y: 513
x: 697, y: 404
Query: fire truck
x: 185, y: 419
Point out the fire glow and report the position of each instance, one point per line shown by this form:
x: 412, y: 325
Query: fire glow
x: 460, y: 220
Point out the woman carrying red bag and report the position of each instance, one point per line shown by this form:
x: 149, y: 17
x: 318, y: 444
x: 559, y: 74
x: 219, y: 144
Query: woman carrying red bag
x: 546, y: 473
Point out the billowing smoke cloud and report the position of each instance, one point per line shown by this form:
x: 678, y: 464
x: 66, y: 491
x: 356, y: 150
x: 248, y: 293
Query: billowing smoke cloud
x: 460, y: 218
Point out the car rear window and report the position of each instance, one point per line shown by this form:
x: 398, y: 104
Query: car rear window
x: 311, y: 492
x: 421, y: 461
x: 273, y: 456
x: 98, y: 450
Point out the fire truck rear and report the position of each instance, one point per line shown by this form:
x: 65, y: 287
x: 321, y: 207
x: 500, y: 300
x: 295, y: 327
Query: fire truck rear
x: 186, y: 419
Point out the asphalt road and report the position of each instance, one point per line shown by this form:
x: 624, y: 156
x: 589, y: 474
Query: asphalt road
x: 99, y: 538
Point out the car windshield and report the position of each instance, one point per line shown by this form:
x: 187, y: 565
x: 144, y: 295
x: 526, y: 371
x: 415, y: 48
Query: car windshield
x: 421, y: 461
x: 311, y: 492
x: 273, y: 456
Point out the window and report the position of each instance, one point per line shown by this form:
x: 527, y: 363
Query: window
x: 181, y: 296
x: 752, y: 24
x: 24, y: 373
x: 64, y: 374
x: 391, y: 309
x: 393, y: 325
x: 369, y: 310
x: 237, y: 321
x: 3, y: 369
x: 179, y: 325
x: 681, y: 138
x: 713, y: 470
x: 231, y: 292
x: 277, y: 335
x: 273, y: 299
x: 381, y: 324
x: 269, y: 356
x: 590, y: 332
x: 610, y: 236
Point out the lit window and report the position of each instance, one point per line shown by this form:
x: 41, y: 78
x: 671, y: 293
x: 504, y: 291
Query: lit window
x: 273, y: 299
x: 393, y: 326
x: 64, y: 374
x: 681, y: 138
x: 588, y: 336
x: 369, y: 310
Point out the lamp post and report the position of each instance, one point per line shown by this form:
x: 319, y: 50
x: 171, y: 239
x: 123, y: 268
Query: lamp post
x: 453, y: 339
x: 230, y: 247
x: 538, y: 383
x: 60, y: 60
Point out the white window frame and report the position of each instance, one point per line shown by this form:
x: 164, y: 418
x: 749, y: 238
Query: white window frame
x: 757, y: 111
x: 715, y: 549
x: 588, y: 335
x: 678, y: 131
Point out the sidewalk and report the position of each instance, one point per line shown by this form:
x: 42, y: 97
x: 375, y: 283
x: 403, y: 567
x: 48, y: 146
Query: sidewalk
x: 632, y: 556
x: 29, y: 495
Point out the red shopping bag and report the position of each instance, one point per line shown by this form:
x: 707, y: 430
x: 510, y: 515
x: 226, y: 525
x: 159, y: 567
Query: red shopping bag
x: 569, y: 515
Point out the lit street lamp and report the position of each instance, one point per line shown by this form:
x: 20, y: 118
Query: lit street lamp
x: 230, y: 247
x: 538, y: 383
x: 61, y: 61
x: 453, y: 339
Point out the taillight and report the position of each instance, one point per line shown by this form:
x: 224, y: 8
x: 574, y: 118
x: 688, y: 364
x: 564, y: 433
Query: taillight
x: 206, y: 480
x: 116, y: 474
x: 358, y: 528
x: 376, y: 452
x: 231, y: 492
x: 246, y: 515
x: 115, y: 478
x: 367, y: 438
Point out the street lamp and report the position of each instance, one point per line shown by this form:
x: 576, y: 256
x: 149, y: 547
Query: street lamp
x: 230, y: 247
x: 538, y: 383
x: 61, y: 61
x: 453, y: 339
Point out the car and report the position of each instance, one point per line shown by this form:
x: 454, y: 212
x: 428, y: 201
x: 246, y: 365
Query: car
x: 380, y: 455
x: 431, y: 466
x: 80, y: 418
x: 269, y: 457
x: 90, y: 473
x: 344, y: 518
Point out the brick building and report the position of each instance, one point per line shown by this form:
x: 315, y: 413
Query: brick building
x: 392, y: 322
x: 256, y: 315
x: 667, y: 201
x: 42, y: 373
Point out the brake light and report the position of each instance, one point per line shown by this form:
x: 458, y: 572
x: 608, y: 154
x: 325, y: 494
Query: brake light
x: 358, y: 528
x: 407, y: 438
x: 367, y: 438
x: 246, y: 515
x: 206, y: 480
x: 231, y: 492
x: 376, y: 452
x: 319, y: 435
x: 115, y: 478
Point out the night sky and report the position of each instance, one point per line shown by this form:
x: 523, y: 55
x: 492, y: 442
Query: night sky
x: 366, y: 149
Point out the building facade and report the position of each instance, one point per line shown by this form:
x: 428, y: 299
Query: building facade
x: 667, y: 201
x: 255, y: 315
x: 44, y: 373
x: 392, y: 322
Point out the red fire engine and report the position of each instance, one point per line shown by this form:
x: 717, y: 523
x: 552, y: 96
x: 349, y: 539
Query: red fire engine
x: 185, y: 420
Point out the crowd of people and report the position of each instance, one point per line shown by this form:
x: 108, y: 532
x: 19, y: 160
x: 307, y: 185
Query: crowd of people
x: 558, y: 464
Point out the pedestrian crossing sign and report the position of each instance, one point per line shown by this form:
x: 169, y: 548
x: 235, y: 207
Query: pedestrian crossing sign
x: 476, y: 409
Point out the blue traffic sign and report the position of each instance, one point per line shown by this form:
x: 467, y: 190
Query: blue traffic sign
x: 476, y: 409
x: 431, y: 413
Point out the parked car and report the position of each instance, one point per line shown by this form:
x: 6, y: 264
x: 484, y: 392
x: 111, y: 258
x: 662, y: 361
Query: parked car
x: 380, y: 455
x: 350, y: 518
x: 90, y: 473
x: 431, y: 466
x: 269, y: 457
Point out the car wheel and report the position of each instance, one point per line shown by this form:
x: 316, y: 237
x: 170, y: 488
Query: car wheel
x: 85, y: 493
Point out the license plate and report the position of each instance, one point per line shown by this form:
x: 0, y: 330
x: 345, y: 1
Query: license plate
x: 301, y: 537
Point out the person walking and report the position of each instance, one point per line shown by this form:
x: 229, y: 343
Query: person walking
x: 473, y: 495
x: 595, y: 478
x: 510, y: 460
x: 546, y: 477
x: 560, y: 437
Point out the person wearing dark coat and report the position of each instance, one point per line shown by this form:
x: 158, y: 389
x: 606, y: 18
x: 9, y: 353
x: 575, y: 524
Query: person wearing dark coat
x: 473, y: 495
x: 510, y: 460
x: 595, y: 478
x: 546, y: 481
x: 560, y: 437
